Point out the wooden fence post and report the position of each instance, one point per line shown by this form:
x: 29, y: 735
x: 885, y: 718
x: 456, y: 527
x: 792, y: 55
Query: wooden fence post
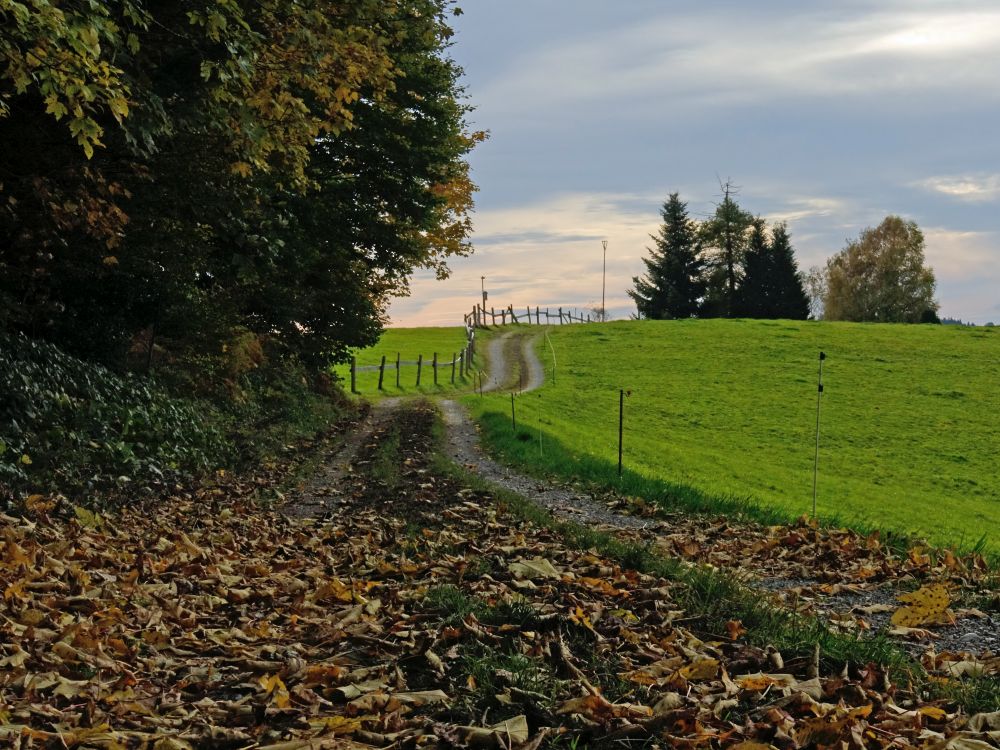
x: 397, y: 369
x: 381, y: 372
x: 435, y: 368
x: 461, y: 363
x: 420, y: 366
x: 454, y: 360
x: 529, y: 315
x: 560, y: 316
x: 354, y: 374
x: 493, y: 314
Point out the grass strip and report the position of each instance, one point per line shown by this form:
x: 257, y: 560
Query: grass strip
x: 557, y: 461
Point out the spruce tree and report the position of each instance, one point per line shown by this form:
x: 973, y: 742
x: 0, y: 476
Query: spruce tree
x: 753, y: 293
x: 672, y: 286
x: 724, y: 237
x: 772, y: 286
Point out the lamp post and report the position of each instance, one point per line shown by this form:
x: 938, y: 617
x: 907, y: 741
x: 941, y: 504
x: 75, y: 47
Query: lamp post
x: 604, y: 275
x: 482, y: 282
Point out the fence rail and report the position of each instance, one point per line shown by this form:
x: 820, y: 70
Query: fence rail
x: 479, y: 316
x: 460, y: 364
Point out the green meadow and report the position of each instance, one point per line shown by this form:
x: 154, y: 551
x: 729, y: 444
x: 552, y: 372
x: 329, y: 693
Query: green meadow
x: 409, y: 344
x: 722, y: 414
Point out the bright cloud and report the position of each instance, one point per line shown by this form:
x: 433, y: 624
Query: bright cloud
x: 974, y: 188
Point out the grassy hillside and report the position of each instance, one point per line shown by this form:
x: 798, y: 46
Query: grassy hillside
x: 726, y: 409
x: 409, y: 343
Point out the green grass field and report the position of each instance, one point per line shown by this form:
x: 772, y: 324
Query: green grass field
x: 725, y: 410
x: 409, y: 343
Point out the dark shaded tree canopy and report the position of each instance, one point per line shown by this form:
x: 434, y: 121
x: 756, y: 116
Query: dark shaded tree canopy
x: 772, y: 286
x: 726, y: 266
x: 197, y: 172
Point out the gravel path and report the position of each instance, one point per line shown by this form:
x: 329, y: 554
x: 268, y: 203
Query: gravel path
x: 462, y: 443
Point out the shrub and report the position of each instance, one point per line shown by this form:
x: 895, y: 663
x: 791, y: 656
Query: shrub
x: 77, y: 427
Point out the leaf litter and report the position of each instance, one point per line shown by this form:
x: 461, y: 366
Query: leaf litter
x: 418, y: 616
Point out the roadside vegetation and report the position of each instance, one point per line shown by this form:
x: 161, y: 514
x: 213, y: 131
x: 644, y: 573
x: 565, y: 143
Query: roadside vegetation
x: 721, y: 415
x: 77, y: 429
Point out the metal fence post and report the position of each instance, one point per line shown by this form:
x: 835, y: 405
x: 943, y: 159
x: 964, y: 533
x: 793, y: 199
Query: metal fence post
x: 454, y: 361
x: 621, y: 423
x: 354, y: 374
x: 819, y: 398
x: 397, y: 369
x: 420, y: 366
x: 381, y: 372
x: 435, y: 366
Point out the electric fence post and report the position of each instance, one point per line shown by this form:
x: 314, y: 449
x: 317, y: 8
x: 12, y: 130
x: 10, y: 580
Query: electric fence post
x: 819, y: 399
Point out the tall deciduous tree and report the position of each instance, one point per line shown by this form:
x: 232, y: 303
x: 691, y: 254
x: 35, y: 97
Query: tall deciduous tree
x: 672, y: 286
x: 772, y: 286
x: 724, y: 237
x: 881, y: 277
x: 204, y: 169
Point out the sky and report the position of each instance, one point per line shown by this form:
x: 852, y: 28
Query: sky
x: 828, y: 116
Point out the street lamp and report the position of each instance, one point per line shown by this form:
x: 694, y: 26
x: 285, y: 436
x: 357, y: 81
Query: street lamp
x: 604, y: 275
x: 482, y: 282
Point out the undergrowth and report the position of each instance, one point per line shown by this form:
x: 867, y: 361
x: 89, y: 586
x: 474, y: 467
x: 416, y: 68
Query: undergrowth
x: 76, y: 428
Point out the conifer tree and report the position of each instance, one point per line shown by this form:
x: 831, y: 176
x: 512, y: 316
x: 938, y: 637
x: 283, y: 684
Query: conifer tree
x: 724, y: 237
x: 672, y: 286
x: 772, y: 286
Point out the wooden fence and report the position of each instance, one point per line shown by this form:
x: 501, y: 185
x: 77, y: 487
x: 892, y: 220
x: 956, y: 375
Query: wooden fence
x: 480, y: 316
x: 460, y: 364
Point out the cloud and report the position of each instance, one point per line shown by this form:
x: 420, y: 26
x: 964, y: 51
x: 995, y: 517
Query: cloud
x: 968, y: 274
x: 718, y: 57
x: 799, y: 209
x: 546, y: 254
x: 976, y: 188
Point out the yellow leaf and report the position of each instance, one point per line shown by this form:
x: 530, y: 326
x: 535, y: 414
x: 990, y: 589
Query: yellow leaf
x: 927, y: 605
x: 933, y: 712
x: 337, y: 725
x: 276, y: 689
x: 536, y: 568
x: 703, y: 669
x: 26, y: 459
x: 87, y: 518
